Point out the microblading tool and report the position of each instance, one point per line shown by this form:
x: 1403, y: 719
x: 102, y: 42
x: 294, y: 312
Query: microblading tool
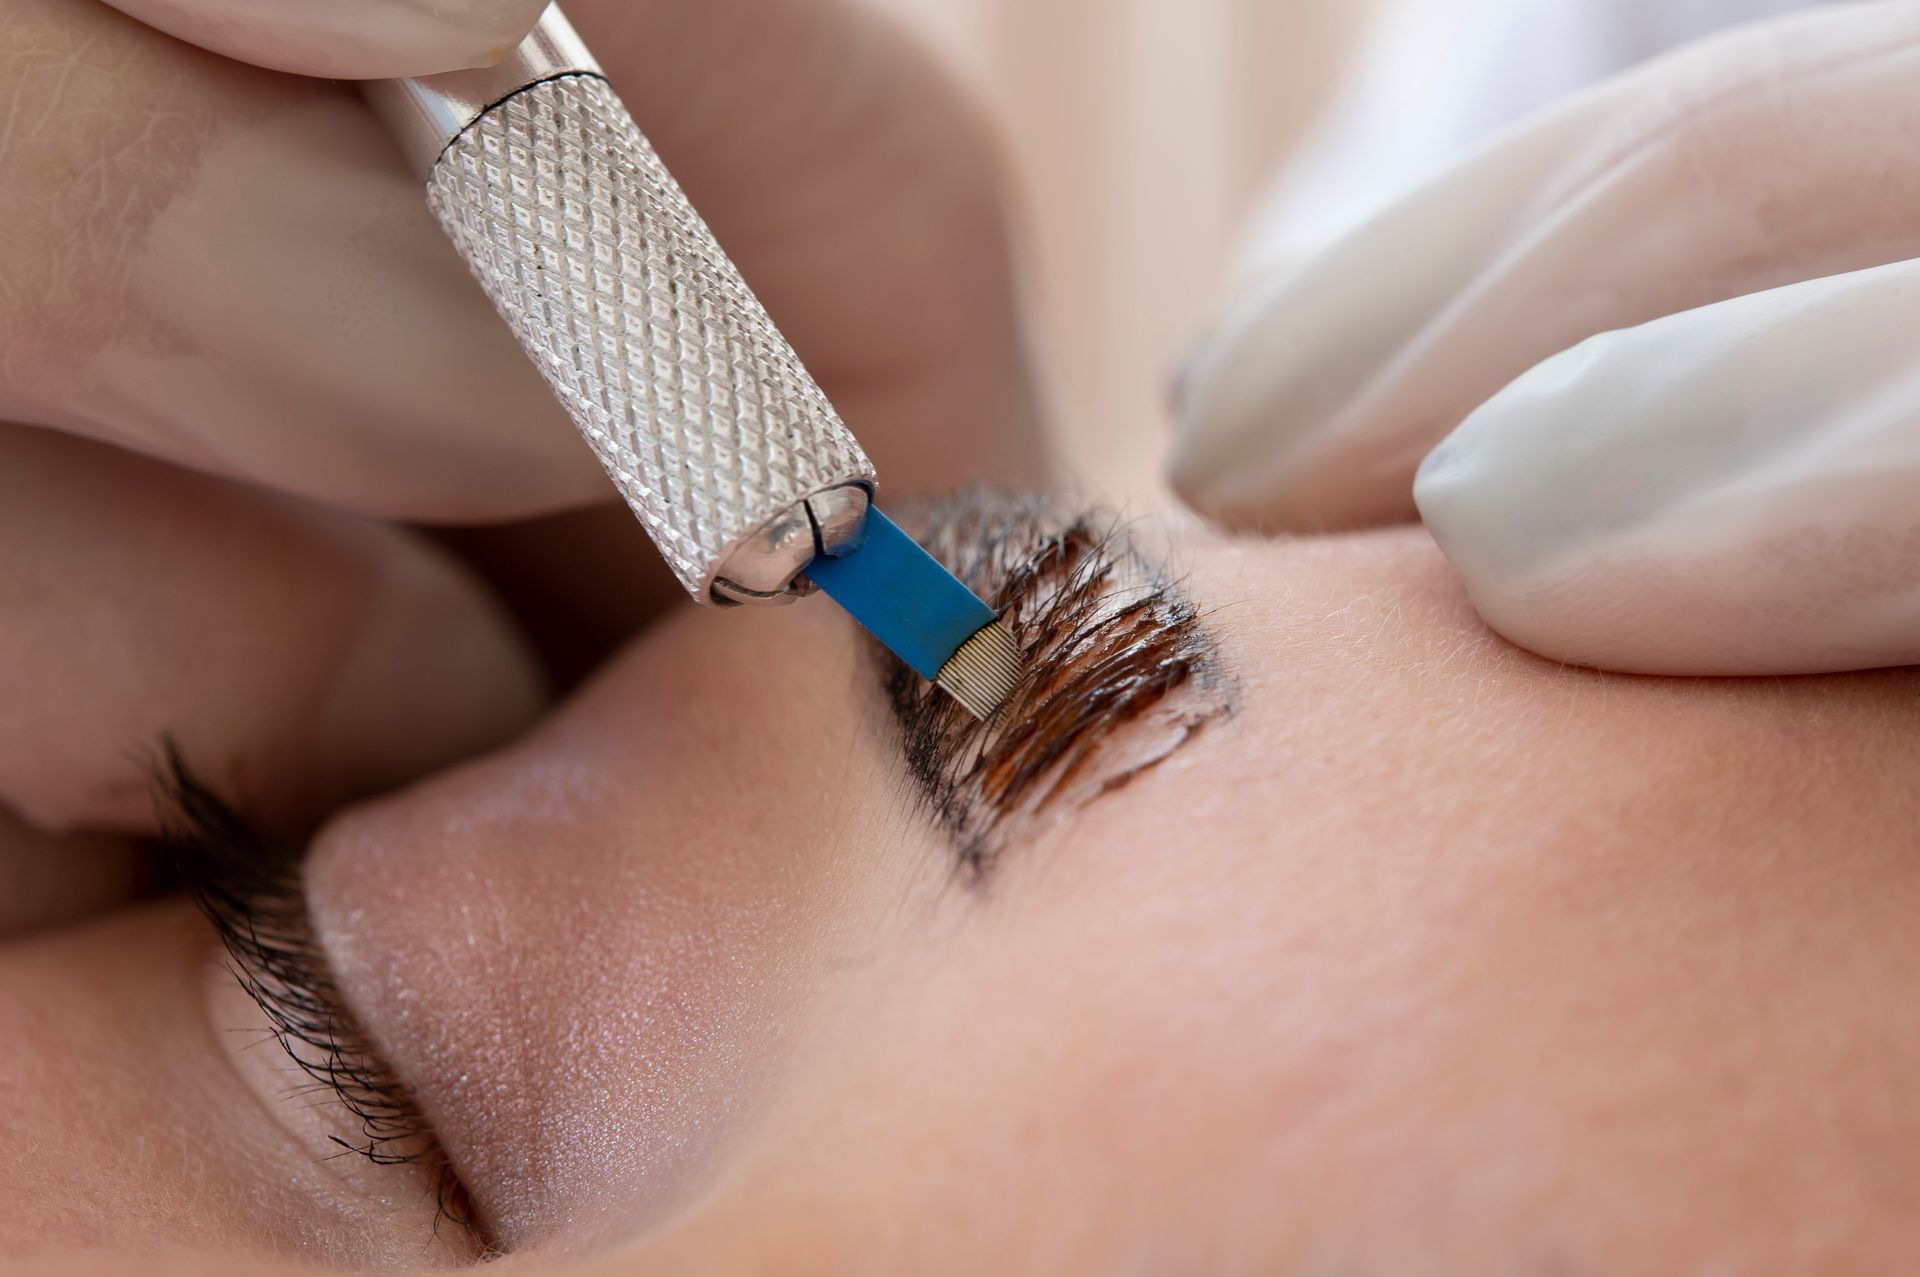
x: 750, y: 485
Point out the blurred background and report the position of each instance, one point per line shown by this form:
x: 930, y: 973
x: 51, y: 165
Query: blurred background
x: 1141, y: 132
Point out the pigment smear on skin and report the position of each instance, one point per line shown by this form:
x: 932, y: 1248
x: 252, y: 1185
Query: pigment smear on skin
x: 1121, y: 671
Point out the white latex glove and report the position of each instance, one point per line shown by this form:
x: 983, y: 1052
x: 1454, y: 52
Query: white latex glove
x: 351, y: 39
x: 238, y: 359
x: 1432, y: 79
x: 1731, y: 488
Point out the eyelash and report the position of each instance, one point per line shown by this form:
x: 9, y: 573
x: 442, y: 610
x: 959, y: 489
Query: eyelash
x: 248, y: 888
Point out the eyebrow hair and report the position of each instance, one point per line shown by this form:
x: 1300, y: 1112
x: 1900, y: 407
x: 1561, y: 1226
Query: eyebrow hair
x: 1111, y: 643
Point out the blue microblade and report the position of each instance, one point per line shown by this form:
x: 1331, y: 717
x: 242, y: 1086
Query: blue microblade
x: 904, y: 598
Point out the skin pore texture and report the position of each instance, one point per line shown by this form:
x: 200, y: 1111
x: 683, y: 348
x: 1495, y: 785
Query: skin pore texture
x: 1427, y: 957
x: 1431, y: 957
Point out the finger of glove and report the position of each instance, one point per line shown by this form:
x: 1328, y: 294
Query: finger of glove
x: 298, y: 656
x: 1761, y: 158
x: 1731, y: 490
x: 234, y: 271
x: 346, y: 39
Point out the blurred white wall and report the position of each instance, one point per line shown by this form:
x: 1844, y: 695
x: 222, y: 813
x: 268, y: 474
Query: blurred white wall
x: 1142, y: 131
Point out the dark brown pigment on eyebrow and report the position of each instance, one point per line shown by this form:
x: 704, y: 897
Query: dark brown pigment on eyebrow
x: 1110, y: 643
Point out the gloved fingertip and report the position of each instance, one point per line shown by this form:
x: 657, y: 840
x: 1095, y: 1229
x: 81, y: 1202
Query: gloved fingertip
x: 471, y: 33
x: 1252, y: 471
x: 1232, y: 449
x: 347, y: 39
x: 1716, y: 493
x: 1281, y: 424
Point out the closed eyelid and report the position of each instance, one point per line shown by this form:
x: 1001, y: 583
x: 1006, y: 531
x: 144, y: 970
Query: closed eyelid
x: 249, y: 887
x: 1112, y: 643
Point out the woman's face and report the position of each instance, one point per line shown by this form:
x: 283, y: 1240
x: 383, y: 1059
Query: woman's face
x: 1410, y: 953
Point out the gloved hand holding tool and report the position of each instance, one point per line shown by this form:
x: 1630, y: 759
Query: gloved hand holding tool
x: 238, y: 358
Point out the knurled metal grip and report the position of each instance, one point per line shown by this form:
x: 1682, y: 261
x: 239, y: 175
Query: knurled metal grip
x: 693, y: 401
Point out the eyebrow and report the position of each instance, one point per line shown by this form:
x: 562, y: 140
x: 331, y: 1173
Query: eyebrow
x: 1121, y: 671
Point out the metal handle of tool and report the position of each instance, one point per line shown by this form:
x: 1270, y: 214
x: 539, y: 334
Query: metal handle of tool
x: 695, y: 404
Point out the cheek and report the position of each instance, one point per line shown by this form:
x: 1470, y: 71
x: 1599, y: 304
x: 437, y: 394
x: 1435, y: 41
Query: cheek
x: 128, y: 1130
x: 585, y: 954
x: 1069, y: 1065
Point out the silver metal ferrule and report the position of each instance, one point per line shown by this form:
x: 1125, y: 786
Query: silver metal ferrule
x: 695, y: 404
x: 427, y: 114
